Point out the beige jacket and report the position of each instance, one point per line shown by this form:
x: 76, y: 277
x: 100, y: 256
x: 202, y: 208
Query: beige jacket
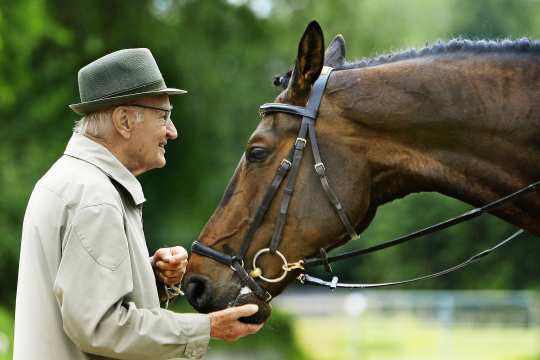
x: 86, y: 287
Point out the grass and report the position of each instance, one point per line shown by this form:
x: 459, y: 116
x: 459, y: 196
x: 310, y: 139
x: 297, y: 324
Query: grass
x: 404, y: 337
x: 6, y: 334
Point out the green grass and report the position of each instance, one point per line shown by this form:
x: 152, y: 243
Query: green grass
x: 6, y: 334
x: 404, y: 337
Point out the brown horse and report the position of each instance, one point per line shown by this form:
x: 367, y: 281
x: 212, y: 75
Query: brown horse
x: 461, y: 119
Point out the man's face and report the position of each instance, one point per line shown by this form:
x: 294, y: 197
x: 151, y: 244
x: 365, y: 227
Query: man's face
x: 149, y: 136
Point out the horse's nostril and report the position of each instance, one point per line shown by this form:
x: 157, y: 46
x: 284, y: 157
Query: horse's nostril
x: 198, y: 292
x: 195, y: 289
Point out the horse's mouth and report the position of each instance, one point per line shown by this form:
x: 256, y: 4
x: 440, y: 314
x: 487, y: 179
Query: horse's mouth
x: 246, y: 296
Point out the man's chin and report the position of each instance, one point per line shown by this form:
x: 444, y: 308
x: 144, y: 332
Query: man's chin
x: 157, y: 165
x: 161, y: 163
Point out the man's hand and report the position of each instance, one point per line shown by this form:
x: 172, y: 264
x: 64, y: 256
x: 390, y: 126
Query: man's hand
x: 224, y: 324
x: 170, y: 264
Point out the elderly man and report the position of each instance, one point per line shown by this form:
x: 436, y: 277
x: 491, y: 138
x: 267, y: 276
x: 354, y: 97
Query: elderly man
x: 87, y: 287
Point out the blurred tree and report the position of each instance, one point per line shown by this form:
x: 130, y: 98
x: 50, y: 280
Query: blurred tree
x: 493, y: 19
x: 225, y: 53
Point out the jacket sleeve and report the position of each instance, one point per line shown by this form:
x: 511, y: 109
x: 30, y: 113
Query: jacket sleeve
x: 92, y: 288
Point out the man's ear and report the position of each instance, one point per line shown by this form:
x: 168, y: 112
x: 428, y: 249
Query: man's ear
x: 309, y: 63
x: 334, y: 55
x: 122, y: 121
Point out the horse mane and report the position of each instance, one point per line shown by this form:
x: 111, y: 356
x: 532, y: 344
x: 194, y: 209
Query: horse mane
x: 523, y: 45
x: 454, y: 46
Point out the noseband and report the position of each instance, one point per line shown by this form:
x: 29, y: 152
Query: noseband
x: 290, y: 166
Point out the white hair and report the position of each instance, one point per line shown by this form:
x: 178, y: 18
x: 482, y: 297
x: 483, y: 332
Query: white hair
x: 98, y: 124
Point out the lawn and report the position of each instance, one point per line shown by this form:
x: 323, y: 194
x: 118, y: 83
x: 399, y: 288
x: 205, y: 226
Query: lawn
x: 6, y: 334
x: 404, y: 337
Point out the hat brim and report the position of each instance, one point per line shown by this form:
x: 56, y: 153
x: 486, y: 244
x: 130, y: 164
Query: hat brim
x: 87, y: 107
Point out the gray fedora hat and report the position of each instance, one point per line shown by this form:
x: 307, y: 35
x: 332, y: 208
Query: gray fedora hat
x: 119, y: 77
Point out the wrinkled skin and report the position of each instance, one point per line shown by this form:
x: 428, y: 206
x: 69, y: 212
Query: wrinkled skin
x: 424, y: 124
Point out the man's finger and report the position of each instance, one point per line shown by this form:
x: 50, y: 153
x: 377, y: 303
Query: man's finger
x: 253, y: 328
x: 171, y: 265
x: 171, y: 273
x: 169, y: 280
x: 177, y: 259
x: 172, y: 255
x: 163, y: 254
x: 242, y: 311
x: 162, y: 265
x: 179, y: 251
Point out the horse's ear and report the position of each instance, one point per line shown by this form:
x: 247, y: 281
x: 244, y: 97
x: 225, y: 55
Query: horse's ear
x: 309, y: 63
x: 334, y: 55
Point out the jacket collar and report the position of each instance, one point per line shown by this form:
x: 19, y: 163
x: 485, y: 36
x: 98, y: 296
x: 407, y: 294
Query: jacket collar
x: 83, y: 148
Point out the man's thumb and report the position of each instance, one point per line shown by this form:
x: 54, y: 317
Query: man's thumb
x: 246, y: 310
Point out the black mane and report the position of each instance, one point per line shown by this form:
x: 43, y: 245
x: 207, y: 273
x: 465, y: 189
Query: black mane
x: 453, y: 46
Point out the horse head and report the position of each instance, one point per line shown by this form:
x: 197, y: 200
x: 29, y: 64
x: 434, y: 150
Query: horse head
x: 311, y: 223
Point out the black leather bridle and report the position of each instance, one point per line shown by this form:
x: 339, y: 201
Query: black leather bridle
x: 291, y: 166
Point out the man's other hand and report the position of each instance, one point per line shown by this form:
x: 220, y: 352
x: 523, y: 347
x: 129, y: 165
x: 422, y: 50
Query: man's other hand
x: 224, y: 324
x: 170, y: 264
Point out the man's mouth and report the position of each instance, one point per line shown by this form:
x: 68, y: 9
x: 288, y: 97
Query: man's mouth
x: 162, y: 145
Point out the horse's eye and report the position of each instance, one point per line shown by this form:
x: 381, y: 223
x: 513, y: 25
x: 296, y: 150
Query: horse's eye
x: 257, y: 154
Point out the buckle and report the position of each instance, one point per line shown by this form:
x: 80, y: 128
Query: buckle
x: 355, y: 237
x: 320, y: 169
x: 268, y: 297
x: 236, y: 260
x: 286, y: 162
x: 298, y: 141
x: 326, y: 70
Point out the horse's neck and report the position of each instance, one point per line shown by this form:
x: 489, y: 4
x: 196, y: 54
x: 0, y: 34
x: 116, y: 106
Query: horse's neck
x: 464, y: 126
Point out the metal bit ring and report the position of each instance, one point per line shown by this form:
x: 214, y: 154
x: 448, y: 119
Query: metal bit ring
x: 276, y: 279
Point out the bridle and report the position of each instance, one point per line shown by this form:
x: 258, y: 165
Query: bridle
x: 290, y: 166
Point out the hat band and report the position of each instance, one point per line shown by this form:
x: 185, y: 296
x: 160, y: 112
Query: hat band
x: 154, y: 85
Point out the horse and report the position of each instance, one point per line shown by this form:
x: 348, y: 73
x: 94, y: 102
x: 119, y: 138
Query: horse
x: 461, y: 118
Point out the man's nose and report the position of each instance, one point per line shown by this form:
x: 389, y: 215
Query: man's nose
x: 171, y: 130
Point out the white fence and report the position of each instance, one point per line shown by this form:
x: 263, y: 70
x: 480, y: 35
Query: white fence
x: 518, y: 308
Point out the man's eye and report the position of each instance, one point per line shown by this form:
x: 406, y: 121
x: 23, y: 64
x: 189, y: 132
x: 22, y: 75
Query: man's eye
x: 257, y: 154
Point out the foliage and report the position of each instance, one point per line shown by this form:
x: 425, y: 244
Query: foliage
x: 226, y: 53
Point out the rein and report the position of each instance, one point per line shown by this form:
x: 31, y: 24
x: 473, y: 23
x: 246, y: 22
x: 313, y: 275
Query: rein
x: 290, y: 166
